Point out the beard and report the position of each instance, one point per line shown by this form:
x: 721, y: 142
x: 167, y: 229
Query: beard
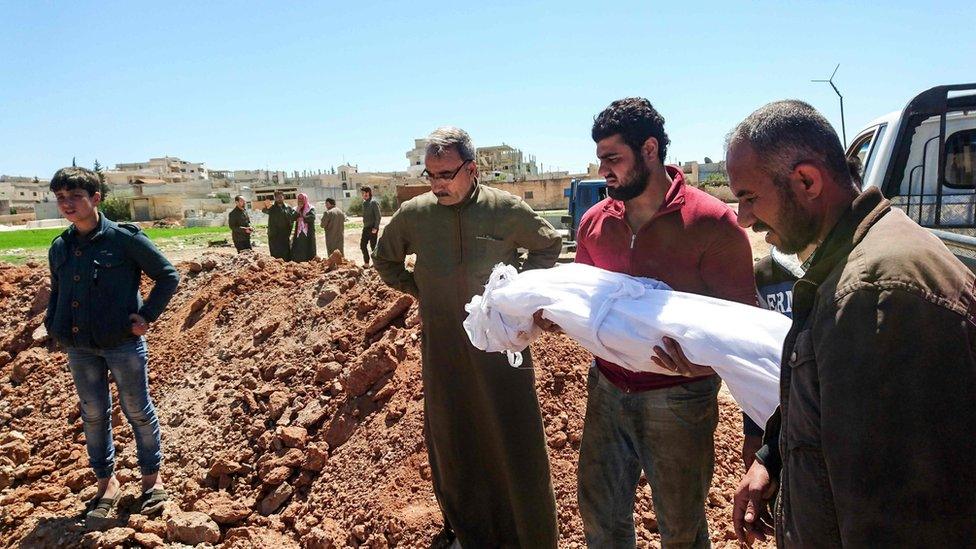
x: 634, y: 185
x: 802, y: 228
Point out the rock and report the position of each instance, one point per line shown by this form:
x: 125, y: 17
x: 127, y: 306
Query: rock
x: 26, y: 362
x: 377, y: 362
x: 208, y: 264
x: 267, y: 329
x: 327, y: 372
x: 198, y: 304
x: 558, y: 440
x: 649, y: 521
x: 252, y: 536
x: 327, y: 295
x: 6, y: 476
x: 40, y: 335
x: 293, y: 437
x: 273, y: 501
x: 277, y: 403
x: 286, y: 372
x: 14, y: 446
x: 78, y: 479
x: 192, y: 528
x: 111, y: 538
x: 176, y: 419
x: 194, y: 267
x: 223, y: 465
x: 318, y: 539
x: 222, y: 508
x: 51, y: 492
x: 312, y: 414
x: 275, y: 475
x: 316, y: 456
x: 382, y: 320
x: 148, y: 540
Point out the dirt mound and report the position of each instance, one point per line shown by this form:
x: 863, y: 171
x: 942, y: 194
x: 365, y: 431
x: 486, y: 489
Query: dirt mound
x: 290, y: 400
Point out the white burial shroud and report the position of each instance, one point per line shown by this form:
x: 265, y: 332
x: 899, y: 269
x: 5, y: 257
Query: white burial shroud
x: 620, y: 318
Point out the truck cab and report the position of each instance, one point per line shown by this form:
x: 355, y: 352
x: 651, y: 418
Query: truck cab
x: 582, y: 194
x: 923, y: 158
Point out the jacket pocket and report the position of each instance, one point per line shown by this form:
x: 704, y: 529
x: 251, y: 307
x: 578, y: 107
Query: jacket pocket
x: 803, y: 413
x: 809, y: 517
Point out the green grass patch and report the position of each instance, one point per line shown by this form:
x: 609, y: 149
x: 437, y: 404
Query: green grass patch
x: 32, y: 239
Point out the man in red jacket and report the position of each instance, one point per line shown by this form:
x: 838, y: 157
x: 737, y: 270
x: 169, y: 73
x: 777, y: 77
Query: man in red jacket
x: 653, y: 225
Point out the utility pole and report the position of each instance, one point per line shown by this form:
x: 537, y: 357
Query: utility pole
x: 843, y: 126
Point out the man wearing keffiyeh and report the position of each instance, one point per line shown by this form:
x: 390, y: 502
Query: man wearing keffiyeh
x: 303, y: 241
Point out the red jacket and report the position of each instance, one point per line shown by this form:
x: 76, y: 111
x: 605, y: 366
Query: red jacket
x: 692, y: 243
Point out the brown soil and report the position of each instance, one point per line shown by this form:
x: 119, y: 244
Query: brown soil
x: 290, y: 401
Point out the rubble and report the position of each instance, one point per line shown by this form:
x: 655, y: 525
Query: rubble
x: 291, y: 404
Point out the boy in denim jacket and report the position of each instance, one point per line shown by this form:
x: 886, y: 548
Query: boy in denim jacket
x: 97, y: 314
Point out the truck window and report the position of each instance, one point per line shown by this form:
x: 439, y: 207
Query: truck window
x: 864, y: 147
x: 960, y: 160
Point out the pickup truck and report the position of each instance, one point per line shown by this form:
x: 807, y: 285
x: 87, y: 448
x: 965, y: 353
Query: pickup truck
x: 923, y: 158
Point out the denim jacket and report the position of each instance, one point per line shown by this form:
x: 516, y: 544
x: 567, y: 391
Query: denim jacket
x: 874, y: 442
x: 95, y: 284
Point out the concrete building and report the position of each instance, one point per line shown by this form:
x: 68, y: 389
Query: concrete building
x: 540, y: 194
x: 23, y: 193
x: 699, y: 173
x: 504, y: 163
x: 415, y: 157
x: 167, y: 167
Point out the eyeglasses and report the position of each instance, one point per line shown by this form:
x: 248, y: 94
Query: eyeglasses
x: 443, y: 176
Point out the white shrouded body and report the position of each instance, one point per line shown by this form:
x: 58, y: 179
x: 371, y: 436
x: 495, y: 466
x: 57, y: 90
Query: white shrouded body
x: 620, y: 318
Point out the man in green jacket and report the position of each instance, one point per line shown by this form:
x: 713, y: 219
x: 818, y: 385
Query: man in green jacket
x: 371, y: 224
x: 281, y: 217
x: 873, y: 443
x: 485, y: 438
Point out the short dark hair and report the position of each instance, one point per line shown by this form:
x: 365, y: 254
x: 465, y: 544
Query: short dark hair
x: 330, y: 201
x: 238, y: 197
x: 366, y: 190
x: 71, y: 178
x: 635, y: 120
x: 785, y: 133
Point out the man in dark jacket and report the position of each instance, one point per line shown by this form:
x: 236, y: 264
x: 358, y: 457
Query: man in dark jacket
x: 240, y: 225
x: 97, y: 314
x: 371, y: 224
x: 874, y: 442
x: 281, y: 217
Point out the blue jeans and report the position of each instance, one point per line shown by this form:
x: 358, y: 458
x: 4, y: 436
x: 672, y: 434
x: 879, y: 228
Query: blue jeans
x: 666, y: 432
x: 127, y: 362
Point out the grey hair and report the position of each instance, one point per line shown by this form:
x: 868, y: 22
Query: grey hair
x: 446, y: 138
x: 785, y: 133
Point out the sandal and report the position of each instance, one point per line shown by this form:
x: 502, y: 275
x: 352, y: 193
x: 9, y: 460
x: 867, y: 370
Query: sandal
x: 152, y: 501
x: 100, y: 507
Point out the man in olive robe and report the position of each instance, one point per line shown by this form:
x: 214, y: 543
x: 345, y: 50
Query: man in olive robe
x: 485, y: 438
x: 281, y: 217
x: 334, y: 224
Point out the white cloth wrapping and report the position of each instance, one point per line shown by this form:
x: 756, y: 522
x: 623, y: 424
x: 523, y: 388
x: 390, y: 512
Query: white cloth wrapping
x: 620, y: 318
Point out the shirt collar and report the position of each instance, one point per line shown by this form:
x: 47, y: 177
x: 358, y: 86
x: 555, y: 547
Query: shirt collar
x: 674, y: 198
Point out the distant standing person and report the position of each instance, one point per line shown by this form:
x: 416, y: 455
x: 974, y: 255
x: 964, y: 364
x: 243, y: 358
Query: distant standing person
x: 303, y: 243
x: 240, y: 225
x: 97, y: 314
x: 371, y: 224
x: 334, y: 224
x: 280, y: 219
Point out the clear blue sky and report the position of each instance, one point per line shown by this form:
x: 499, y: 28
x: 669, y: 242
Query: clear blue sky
x: 289, y: 86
